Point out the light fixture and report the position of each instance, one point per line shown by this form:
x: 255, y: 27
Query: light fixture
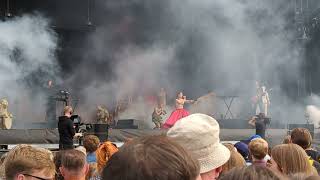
x: 8, y: 13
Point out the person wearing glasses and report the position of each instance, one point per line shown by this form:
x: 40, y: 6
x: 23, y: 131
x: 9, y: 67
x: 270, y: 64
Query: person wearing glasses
x: 66, y: 129
x: 32, y: 164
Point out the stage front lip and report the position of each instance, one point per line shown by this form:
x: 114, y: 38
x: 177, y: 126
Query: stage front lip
x: 51, y: 136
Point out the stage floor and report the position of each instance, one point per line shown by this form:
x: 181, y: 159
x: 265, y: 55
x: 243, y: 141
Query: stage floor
x: 51, y: 136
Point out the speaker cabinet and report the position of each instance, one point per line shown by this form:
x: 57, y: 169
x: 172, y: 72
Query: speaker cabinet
x: 100, y: 130
x: 310, y: 127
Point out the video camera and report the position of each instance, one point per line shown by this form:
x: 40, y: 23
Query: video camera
x: 79, y: 126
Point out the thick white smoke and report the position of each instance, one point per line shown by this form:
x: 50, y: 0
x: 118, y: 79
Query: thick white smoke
x: 313, y: 115
x: 245, y: 41
x: 27, y: 61
x: 138, y: 71
x: 221, y: 46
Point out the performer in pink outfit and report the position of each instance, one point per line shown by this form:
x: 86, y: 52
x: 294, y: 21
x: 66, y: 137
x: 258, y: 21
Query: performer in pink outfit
x: 179, y: 112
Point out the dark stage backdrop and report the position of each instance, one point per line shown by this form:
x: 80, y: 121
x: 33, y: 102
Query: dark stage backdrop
x: 74, y: 20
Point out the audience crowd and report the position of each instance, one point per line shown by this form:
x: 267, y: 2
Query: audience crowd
x: 190, y: 150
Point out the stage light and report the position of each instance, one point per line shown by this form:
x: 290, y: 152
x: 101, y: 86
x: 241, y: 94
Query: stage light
x: 8, y: 13
x: 89, y: 23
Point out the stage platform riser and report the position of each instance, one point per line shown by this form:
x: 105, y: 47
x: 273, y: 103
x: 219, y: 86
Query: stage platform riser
x: 51, y: 136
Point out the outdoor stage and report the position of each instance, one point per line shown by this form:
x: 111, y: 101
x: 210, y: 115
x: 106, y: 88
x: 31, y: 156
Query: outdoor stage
x: 51, y: 136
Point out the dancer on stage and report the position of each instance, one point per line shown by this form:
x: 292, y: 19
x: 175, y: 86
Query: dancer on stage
x: 256, y: 99
x: 157, y: 116
x: 179, y: 112
x: 5, y: 115
x: 102, y: 115
x: 265, y: 100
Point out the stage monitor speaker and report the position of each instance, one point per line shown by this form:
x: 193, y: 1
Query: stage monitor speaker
x: 100, y: 130
x: 310, y: 127
x: 127, y: 124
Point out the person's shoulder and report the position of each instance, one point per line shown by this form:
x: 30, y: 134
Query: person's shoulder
x: 314, y: 154
x: 95, y: 178
x: 315, y: 164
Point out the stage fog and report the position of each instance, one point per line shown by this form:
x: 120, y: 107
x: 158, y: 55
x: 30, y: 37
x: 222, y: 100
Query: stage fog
x: 130, y: 50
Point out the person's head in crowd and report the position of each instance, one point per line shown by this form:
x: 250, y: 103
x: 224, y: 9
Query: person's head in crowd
x: 93, y: 171
x: 258, y: 149
x: 73, y: 165
x: 151, y: 157
x: 289, y: 159
x: 17, y: 151
x: 301, y: 137
x: 81, y: 149
x: 91, y: 143
x: 27, y: 162
x: 247, y: 141
x: 243, y: 149
x: 199, y: 134
x: 314, y: 177
x: 3, y: 157
x: 236, y: 159
x: 104, y: 153
x: 250, y: 173
x: 287, y: 139
x: 57, y: 162
x: 67, y: 111
x: 303, y: 176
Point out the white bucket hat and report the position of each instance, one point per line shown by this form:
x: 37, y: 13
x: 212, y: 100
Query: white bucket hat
x: 199, y: 134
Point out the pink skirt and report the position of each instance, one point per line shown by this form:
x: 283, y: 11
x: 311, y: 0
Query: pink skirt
x: 174, y: 117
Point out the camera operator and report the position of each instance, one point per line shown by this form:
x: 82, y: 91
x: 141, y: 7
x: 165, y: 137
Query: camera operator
x: 66, y: 129
x: 260, y: 123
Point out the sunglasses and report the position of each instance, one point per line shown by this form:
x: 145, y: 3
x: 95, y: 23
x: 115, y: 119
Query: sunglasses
x: 38, y: 177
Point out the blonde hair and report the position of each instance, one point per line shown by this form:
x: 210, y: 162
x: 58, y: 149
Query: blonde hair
x: 291, y: 159
x: 28, y: 158
x: 287, y: 139
x: 81, y: 149
x: 67, y: 109
x: 236, y: 159
x: 93, y: 171
x: 258, y: 148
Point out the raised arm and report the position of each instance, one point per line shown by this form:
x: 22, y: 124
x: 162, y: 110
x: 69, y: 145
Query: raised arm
x: 188, y: 101
x: 252, y: 121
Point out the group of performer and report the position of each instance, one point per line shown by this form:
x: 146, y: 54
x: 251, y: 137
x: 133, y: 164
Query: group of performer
x: 261, y: 103
x: 177, y: 114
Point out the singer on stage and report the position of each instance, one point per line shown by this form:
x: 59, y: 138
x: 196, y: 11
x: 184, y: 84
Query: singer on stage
x: 179, y: 112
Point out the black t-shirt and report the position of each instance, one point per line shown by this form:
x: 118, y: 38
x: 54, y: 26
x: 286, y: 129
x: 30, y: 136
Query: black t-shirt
x: 260, y: 127
x: 66, y: 130
x: 315, y: 155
